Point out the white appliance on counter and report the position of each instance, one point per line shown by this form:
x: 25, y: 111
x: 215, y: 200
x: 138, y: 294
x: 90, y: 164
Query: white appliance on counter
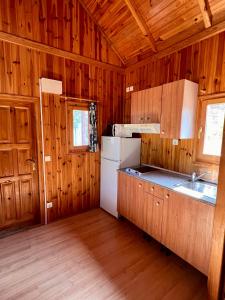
x: 116, y: 153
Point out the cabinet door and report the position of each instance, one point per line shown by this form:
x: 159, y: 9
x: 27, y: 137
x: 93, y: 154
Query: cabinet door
x: 172, y: 100
x: 137, y: 107
x: 152, y: 105
x: 123, y: 201
x: 153, y: 215
x: 137, y: 202
x: 187, y: 229
x: 146, y: 106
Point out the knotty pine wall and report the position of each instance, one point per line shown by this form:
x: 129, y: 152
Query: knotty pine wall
x: 203, y: 63
x: 72, y: 180
x: 63, y: 24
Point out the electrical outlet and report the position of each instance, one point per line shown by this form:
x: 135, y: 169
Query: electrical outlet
x: 175, y: 142
x: 49, y: 204
x: 129, y: 89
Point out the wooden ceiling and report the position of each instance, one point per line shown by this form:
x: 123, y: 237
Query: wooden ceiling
x: 140, y: 28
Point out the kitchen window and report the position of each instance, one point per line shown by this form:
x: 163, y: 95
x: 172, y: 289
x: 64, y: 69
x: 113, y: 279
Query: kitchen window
x: 210, y: 130
x: 78, y: 127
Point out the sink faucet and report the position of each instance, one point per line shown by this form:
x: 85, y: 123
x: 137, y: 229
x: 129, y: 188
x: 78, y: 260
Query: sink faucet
x: 194, y: 176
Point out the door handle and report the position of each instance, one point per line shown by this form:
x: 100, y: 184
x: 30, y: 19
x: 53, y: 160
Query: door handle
x: 31, y: 160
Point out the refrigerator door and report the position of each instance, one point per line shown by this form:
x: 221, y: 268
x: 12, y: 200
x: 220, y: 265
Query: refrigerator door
x: 111, y: 148
x: 108, y: 189
x: 130, y: 152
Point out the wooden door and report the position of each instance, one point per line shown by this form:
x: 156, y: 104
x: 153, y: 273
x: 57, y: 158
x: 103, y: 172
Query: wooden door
x: 18, y: 163
x: 187, y: 229
x: 172, y: 100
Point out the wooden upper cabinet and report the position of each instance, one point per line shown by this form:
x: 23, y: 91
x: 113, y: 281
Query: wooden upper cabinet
x: 146, y: 106
x: 179, y: 102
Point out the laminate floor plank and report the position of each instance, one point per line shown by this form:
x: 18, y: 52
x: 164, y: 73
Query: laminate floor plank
x: 93, y: 256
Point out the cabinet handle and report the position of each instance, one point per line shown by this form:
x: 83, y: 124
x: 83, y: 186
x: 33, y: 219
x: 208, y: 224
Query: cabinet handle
x: 139, y: 185
x: 152, y: 188
x: 163, y: 132
x: 167, y: 196
x: 157, y: 203
x: 148, y: 118
x: 141, y: 119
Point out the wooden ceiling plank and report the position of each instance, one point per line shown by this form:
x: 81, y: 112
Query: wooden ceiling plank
x: 206, y: 14
x: 141, y: 23
x: 193, y: 39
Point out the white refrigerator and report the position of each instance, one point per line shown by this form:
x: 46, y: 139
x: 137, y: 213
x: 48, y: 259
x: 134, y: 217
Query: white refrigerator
x: 116, y: 153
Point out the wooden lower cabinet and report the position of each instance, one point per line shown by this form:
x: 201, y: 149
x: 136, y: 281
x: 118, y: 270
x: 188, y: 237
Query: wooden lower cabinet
x: 130, y: 196
x: 187, y: 229
x: 181, y: 223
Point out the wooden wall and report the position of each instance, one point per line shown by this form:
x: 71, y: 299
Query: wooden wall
x: 63, y: 24
x: 73, y: 180
x: 203, y: 63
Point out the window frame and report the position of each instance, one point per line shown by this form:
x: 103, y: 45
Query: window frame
x: 200, y: 132
x: 71, y: 106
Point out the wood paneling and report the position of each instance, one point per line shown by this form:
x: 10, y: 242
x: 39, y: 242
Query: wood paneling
x: 67, y: 27
x: 202, y: 63
x: 168, y: 24
x: 217, y: 263
x: 60, y: 24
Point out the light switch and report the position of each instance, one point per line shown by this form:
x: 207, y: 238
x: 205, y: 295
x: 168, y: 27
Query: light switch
x: 49, y: 205
x: 47, y: 158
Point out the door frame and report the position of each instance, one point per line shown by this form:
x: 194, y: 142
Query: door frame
x: 37, y: 116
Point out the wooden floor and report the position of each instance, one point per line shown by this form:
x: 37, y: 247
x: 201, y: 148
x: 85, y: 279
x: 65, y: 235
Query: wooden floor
x: 93, y: 256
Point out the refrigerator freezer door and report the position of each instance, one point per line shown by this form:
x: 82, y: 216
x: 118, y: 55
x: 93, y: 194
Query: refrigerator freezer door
x: 111, y: 148
x: 108, y: 190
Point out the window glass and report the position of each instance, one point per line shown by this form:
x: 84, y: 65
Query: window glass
x: 214, y: 129
x: 80, y: 128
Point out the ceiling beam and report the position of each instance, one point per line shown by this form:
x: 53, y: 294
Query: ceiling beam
x: 13, y: 39
x: 141, y: 23
x: 193, y: 39
x: 206, y: 14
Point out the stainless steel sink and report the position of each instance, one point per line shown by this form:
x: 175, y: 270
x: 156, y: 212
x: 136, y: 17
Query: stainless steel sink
x: 198, y: 188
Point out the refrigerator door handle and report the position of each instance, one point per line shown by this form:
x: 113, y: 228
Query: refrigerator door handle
x: 102, y: 157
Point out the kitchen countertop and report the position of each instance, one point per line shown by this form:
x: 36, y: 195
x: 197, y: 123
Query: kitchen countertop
x: 171, y: 180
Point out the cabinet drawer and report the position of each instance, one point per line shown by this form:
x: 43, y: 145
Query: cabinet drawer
x: 159, y: 191
x: 149, y: 187
x: 154, y: 189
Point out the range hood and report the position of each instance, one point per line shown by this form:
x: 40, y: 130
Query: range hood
x: 126, y: 130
